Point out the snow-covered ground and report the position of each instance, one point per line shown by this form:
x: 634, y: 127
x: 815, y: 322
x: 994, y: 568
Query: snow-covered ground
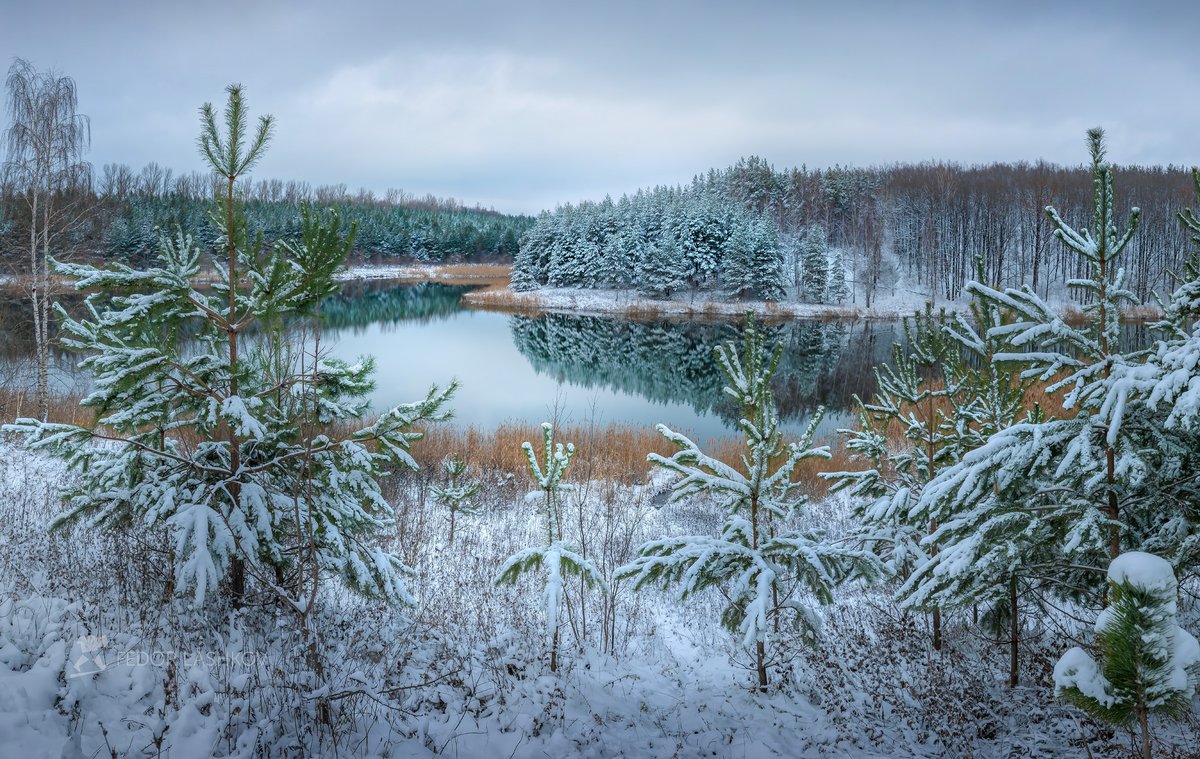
x: 422, y: 272
x: 586, y: 301
x: 96, y: 661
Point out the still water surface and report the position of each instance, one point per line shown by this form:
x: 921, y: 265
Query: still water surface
x: 514, y: 367
x: 589, y: 368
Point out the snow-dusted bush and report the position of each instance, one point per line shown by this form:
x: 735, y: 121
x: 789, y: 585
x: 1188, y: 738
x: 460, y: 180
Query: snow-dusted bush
x: 458, y: 495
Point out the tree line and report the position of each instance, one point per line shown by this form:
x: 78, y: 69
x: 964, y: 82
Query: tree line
x: 753, y: 230
x: 120, y: 213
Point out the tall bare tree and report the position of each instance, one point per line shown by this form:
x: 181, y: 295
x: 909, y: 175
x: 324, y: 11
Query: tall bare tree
x: 44, y: 165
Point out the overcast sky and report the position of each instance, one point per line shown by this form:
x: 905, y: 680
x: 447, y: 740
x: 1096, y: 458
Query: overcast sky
x: 522, y: 106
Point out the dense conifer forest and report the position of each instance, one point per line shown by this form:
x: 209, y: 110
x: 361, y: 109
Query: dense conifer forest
x: 119, y: 213
x: 825, y: 235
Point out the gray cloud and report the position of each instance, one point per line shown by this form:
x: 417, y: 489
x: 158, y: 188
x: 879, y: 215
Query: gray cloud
x: 525, y: 105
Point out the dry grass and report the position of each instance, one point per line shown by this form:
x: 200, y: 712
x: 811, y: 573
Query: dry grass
x: 498, y: 297
x: 16, y: 403
x: 643, y: 309
x: 616, y: 452
x: 1073, y: 315
x: 1146, y: 312
x: 494, y: 274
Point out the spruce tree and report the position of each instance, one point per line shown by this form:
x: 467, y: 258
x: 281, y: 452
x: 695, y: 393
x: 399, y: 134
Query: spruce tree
x: 814, y: 261
x: 759, y: 561
x: 662, y: 270
x: 1149, y: 664
x: 837, y: 288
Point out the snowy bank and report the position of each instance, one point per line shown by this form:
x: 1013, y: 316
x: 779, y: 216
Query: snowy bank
x: 94, y: 658
x: 629, y: 303
x: 427, y: 272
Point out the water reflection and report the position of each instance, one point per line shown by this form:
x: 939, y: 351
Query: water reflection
x: 523, y: 367
x: 672, y: 362
x: 360, y: 304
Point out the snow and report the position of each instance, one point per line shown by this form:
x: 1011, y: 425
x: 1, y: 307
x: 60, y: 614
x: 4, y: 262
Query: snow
x: 1187, y: 650
x: 1143, y: 570
x: 1076, y: 669
x: 588, y: 301
x: 464, y: 672
x: 418, y: 272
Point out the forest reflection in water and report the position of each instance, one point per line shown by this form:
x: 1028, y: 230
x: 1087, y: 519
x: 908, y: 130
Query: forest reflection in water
x: 593, y: 368
x: 823, y: 364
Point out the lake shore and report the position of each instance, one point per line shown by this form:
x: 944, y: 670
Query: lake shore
x: 497, y: 296
x: 630, y: 303
x: 489, y: 274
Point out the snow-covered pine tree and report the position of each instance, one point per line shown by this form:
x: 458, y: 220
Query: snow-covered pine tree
x: 815, y: 266
x: 984, y: 553
x: 458, y: 494
x: 1079, y: 469
x: 663, y: 269
x: 752, y: 266
x: 768, y: 260
x: 914, y: 398
x: 702, y: 234
x: 1149, y: 664
x: 232, y: 443
x: 760, y: 561
x: 609, y: 264
x: 529, y: 261
x: 1162, y: 399
x: 556, y: 558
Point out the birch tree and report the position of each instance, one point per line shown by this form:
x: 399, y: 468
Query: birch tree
x: 44, y: 165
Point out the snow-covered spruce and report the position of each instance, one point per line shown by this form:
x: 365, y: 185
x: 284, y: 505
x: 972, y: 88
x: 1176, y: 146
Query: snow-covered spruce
x: 1150, y: 665
x: 234, y: 444
x: 664, y: 242
x: 557, y: 558
x: 765, y: 572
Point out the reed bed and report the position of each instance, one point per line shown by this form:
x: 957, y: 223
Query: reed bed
x: 496, y: 273
x: 497, y: 297
x: 613, y: 452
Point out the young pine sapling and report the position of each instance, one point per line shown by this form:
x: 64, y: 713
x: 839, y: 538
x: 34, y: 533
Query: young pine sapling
x: 1149, y: 664
x: 556, y: 558
x: 763, y: 567
x: 458, y: 494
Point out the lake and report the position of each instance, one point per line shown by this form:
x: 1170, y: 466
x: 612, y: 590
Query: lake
x: 578, y: 368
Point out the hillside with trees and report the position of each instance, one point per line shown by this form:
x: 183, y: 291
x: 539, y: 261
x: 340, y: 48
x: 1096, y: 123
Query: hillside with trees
x: 847, y: 235
x: 117, y: 214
